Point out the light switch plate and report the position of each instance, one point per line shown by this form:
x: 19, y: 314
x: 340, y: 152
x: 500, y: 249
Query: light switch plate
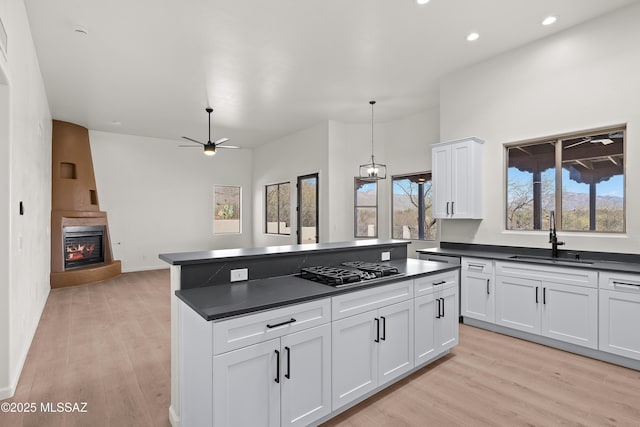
x: 386, y: 256
x: 240, y: 274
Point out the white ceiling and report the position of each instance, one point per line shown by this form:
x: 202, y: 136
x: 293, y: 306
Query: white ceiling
x: 269, y: 67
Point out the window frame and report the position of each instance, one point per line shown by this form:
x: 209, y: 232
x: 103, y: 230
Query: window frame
x: 406, y: 176
x: 299, y: 181
x: 558, y: 139
x: 239, y: 187
x: 266, y: 213
x: 356, y: 206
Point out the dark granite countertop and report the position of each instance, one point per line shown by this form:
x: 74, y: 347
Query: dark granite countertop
x: 199, y: 257
x: 628, y: 263
x: 232, y: 299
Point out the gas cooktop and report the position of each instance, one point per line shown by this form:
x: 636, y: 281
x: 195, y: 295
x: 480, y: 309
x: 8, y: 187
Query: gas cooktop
x: 347, y: 273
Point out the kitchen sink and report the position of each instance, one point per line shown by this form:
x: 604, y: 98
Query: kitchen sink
x: 550, y: 260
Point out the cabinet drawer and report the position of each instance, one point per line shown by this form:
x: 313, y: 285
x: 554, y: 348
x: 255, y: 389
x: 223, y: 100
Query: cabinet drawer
x: 620, y: 282
x: 477, y: 265
x: 568, y: 276
x: 429, y: 284
x: 254, y: 328
x: 369, y: 299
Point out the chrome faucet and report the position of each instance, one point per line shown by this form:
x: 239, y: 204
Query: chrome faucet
x: 553, y: 238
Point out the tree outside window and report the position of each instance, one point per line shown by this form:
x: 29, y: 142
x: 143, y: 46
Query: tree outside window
x: 277, y: 208
x: 412, y: 213
x: 366, y: 208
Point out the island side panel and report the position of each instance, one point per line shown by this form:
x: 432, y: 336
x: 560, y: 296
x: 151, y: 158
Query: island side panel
x: 174, y: 408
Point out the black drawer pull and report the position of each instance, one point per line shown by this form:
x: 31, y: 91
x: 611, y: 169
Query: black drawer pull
x: 281, y: 323
x: 488, y: 287
x: 440, y: 283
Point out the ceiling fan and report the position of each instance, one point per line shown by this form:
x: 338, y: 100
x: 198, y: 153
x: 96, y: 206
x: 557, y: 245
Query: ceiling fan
x: 209, y: 147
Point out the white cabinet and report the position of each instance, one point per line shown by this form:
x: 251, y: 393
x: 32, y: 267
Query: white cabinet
x: 562, y: 303
x: 620, y: 314
x: 283, y: 379
x: 436, y: 316
x: 373, y: 347
x: 477, y: 289
x: 457, y: 178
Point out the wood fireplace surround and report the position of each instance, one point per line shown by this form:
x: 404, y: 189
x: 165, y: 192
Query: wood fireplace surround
x: 74, y: 203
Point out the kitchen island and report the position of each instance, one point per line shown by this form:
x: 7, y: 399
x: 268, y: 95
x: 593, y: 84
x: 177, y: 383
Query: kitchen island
x: 295, y: 350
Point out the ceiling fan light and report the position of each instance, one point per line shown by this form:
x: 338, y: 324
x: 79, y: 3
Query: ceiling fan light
x: 210, y: 150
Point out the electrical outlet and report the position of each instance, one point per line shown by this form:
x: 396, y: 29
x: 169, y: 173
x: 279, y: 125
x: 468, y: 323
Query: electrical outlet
x: 386, y: 256
x: 240, y: 274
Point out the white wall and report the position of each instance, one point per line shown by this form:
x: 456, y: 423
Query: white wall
x: 301, y: 153
x: 582, y: 78
x: 27, y: 158
x: 159, y: 197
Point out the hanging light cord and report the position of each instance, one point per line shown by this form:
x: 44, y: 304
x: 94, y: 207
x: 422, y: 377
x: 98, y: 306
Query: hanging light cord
x: 373, y: 163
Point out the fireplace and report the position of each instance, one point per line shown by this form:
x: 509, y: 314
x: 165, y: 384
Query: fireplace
x: 83, y: 245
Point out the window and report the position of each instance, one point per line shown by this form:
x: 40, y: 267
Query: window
x: 308, y: 209
x: 365, y: 208
x: 580, y: 177
x: 226, y: 209
x: 278, y: 212
x: 412, y: 214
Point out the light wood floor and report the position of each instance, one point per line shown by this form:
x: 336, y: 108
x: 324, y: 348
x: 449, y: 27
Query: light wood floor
x: 107, y: 344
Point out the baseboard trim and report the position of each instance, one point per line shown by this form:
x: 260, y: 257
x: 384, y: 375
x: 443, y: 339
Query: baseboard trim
x: 560, y: 345
x: 134, y: 270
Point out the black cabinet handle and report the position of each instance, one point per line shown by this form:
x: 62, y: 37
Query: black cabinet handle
x: 488, y: 287
x: 447, y: 208
x: 536, y: 295
x: 544, y: 295
x: 281, y: 323
x: 377, y: 329
x: 277, y: 379
x: 442, y: 306
x: 438, y: 315
x: 288, y: 374
x: 440, y: 283
x: 452, y: 213
x: 384, y: 328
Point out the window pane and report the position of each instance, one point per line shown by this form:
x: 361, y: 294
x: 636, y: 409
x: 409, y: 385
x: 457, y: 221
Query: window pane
x: 408, y: 191
x: 366, y: 219
x: 366, y: 208
x: 308, y: 209
x: 284, y: 203
x: 593, y: 183
x: 226, y: 201
x: 530, y: 186
x: 272, y: 208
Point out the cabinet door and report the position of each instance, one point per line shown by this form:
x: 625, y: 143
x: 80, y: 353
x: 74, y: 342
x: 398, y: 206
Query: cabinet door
x: 305, y: 364
x: 426, y: 310
x: 619, y: 320
x: 395, y: 350
x: 461, y: 176
x: 570, y: 314
x: 354, y: 357
x: 477, y: 296
x: 447, y: 323
x: 518, y: 303
x: 441, y: 174
x: 245, y: 391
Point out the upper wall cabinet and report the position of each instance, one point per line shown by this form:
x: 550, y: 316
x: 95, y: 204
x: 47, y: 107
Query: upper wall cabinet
x: 457, y: 178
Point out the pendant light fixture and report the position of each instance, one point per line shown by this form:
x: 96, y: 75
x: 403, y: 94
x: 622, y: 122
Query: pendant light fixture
x: 372, y: 171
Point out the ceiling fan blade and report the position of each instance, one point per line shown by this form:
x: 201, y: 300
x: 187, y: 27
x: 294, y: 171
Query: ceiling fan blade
x: 193, y: 140
x: 190, y: 146
x: 233, y: 147
x: 221, y: 141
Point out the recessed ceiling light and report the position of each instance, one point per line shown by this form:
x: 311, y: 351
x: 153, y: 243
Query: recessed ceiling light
x: 116, y: 123
x: 473, y: 37
x: 422, y: 1
x: 549, y: 20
